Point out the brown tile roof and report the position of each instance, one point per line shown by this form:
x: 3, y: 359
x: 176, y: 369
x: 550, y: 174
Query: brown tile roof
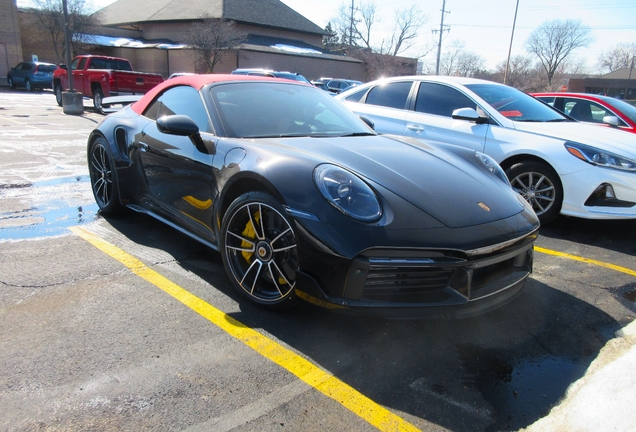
x: 268, y: 13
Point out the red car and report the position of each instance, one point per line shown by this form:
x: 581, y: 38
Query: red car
x: 591, y: 108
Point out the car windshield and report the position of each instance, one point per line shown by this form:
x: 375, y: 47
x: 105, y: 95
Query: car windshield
x: 514, y: 104
x: 622, y: 106
x: 270, y: 109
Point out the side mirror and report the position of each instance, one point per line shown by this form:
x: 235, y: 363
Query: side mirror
x: 63, y: 66
x: 611, y: 120
x: 182, y: 125
x: 469, y: 114
x: 368, y: 122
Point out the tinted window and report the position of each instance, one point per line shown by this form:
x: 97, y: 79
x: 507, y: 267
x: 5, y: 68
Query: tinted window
x: 74, y: 64
x: 26, y: 66
x: 82, y: 64
x: 46, y: 68
x: 355, y: 97
x: 180, y: 100
x: 441, y: 100
x: 390, y: 95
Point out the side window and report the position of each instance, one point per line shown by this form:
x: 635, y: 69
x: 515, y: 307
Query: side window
x: 391, y: 95
x: 180, y: 100
x: 26, y: 67
x: 547, y: 99
x: 441, y: 100
x: 74, y: 64
x: 355, y: 97
x: 82, y: 63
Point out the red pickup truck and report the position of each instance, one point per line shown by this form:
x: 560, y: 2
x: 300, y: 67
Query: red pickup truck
x: 98, y: 77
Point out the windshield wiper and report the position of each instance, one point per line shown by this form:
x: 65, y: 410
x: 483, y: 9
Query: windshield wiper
x: 356, y: 134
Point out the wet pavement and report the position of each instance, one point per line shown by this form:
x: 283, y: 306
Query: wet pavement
x: 83, y: 323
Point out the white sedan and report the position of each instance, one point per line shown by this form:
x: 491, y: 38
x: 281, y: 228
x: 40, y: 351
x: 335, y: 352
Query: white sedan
x: 556, y: 164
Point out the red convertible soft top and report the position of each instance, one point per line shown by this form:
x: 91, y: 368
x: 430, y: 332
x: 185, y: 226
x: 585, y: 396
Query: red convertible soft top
x: 197, y: 82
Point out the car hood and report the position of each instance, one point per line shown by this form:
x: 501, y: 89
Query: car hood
x: 604, y: 138
x: 440, y: 183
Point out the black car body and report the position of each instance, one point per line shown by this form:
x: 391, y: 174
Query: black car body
x: 303, y: 200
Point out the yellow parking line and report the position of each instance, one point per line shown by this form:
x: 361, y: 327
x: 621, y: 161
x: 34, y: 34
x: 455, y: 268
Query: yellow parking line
x: 311, y: 374
x: 586, y: 260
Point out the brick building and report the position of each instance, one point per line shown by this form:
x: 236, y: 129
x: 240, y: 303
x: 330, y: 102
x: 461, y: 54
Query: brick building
x: 621, y: 83
x: 10, y: 41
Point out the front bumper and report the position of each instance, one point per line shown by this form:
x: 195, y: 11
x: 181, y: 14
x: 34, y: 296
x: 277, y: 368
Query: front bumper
x: 579, y: 187
x: 419, y: 283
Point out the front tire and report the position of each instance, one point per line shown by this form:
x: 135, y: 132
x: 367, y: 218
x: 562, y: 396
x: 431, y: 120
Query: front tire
x: 57, y: 89
x: 540, y: 185
x: 101, y: 167
x: 260, y: 251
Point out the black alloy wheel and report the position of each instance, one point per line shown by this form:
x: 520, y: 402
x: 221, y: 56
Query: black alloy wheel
x: 259, y: 251
x: 103, y: 178
x: 540, y: 185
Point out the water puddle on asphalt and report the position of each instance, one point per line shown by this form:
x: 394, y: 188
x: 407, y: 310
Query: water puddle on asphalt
x: 630, y: 295
x: 522, y: 389
x: 56, y: 205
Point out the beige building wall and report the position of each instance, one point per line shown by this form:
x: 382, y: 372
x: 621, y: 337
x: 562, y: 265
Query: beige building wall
x: 10, y: 41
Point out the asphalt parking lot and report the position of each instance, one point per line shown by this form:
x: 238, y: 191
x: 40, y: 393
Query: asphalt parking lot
x: 126, y: 324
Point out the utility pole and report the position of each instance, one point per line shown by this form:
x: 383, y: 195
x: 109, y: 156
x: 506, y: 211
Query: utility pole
x: 352, y: 23
x: 512, y: 35
x: 442, y: 29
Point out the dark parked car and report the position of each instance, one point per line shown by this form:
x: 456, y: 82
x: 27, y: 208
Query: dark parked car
x: 340, y: 85
x: 270, y: 73
x: 591, y: 108
x: 31, y: 75
x: 303, y: 200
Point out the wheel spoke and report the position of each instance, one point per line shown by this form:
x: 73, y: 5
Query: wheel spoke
x: 261, y: 252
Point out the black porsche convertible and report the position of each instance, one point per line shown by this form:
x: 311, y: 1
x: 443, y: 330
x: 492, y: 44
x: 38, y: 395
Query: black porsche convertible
x: 305, y: 201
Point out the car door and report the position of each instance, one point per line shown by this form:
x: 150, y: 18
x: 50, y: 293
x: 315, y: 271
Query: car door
x: 384, y: 104
x: 179, y: 177
x: 20, y: 73
x: 431, y: 117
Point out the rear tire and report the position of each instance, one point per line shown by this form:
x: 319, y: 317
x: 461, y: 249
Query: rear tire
x: 540, y: 185
x: 104, y: 184
x: 98, y: 96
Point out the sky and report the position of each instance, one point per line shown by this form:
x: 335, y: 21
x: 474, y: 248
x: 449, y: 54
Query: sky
x: 485, y: 26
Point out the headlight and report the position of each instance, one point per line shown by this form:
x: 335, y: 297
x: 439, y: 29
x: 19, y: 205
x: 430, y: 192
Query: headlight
x: 347, y: 192
x: 600, y: 157
x: 492, y: 166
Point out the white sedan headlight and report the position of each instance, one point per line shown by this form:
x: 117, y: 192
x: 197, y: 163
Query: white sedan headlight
x: 600, y: 157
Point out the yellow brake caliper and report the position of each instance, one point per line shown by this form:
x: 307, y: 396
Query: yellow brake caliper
x: 250, y: 233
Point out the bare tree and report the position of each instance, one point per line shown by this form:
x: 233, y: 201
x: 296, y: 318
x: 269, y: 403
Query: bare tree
x: 356, y: 28
x: 408, y: 23
x: 363, y: 33
x: 456, y: 61
x: 50, y: 15
x: 211, y: 39
x: 519, y: 69
x: 618, y: 57
x: 554, y: 41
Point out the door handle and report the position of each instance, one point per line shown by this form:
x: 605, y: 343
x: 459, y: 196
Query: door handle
x: 143, y: 147
x: 415, y: 128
